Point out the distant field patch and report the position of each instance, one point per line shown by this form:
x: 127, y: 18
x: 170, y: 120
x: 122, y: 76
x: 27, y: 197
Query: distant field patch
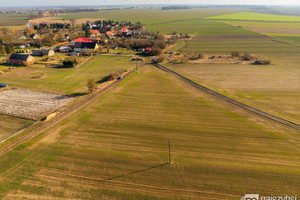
x: 227, y: 44
x: 199, y: 27
x: 268, y: 27
x: 251, y: 16
x: 151, y: 16
x: 13, y: 20
x: 9, y: 125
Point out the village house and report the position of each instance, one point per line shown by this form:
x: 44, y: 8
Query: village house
x: 95, y: 33
x: 21, y: 59
x: 82, y: 39
x: 34, y: 36
x: 86, y: 47
x: 43, y: 52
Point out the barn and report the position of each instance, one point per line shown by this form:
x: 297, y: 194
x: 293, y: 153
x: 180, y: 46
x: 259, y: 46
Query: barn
x: 21, y: 59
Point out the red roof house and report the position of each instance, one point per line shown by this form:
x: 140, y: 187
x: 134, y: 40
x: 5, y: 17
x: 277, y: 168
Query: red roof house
x: 83, y: 39
x: 95, y: 32
x: 124, y: 30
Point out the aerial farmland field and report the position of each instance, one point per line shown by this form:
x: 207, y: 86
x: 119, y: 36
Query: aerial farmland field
x: 118, y: 148
x: 113, y: 144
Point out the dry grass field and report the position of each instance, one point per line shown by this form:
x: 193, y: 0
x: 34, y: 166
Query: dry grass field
x: 116, y: 148
x: 274, y: 88
x: 9, y: 125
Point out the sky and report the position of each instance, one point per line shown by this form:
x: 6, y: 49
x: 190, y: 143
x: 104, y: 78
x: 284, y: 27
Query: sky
x: 6, y: 3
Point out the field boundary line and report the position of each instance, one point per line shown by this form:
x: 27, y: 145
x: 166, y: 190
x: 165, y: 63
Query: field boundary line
x: 230, y: 100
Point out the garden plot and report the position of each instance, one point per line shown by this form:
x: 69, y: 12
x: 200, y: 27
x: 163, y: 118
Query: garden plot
x: 30, y: 104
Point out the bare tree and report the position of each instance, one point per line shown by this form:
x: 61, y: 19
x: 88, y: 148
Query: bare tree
x: 91, y: 84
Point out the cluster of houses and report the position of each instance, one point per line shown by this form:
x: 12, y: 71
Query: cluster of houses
x: 79, y: 45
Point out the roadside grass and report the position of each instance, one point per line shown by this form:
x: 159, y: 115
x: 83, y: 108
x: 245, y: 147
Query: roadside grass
x: 63, y: 80
x: 116, y: 148
x: 9, y: 125
x: 252, y: 16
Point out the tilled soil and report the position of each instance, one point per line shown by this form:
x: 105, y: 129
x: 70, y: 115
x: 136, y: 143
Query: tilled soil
x: 30, y: 104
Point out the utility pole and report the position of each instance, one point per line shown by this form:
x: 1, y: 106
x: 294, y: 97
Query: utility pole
x: 170, y: 152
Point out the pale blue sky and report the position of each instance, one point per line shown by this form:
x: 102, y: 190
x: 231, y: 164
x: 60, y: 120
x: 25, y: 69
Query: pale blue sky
x: 6, y: 3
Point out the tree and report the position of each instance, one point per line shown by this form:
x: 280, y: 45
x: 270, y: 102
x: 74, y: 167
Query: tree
x: 87, y: 33
x: 73, y: 23
x: 9, y: 49
x: 91, y: 84
x: 2, y: 50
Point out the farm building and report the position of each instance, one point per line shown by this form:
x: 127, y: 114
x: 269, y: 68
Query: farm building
x: 43, y: 52
x: 21, y: 59
x: 86, y: 46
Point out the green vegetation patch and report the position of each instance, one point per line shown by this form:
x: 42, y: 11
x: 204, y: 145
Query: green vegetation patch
x: 198, y: 27
x: 256, y: 17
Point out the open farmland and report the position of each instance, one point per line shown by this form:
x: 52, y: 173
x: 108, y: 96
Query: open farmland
x: 257, y: 44
x: 9, y: 125
x: 252, y: 16
x: 13, y: 20
x: 198, y: 27
x: 116, y: 148
x: 63, y: 80
x: 151, y: 16
x: 274, y: 88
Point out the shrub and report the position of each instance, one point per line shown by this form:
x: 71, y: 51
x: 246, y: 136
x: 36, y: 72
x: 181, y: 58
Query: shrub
x: 114, y: 75
x: 235, y: 54
x: 155, y: 51
x: 262, y: 62
x: 71, y: 62
x: 247, y: 57
x: 157, y: 59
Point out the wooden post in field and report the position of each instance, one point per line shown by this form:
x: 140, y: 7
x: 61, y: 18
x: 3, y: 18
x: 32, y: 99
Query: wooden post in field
x: 169, y: 152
